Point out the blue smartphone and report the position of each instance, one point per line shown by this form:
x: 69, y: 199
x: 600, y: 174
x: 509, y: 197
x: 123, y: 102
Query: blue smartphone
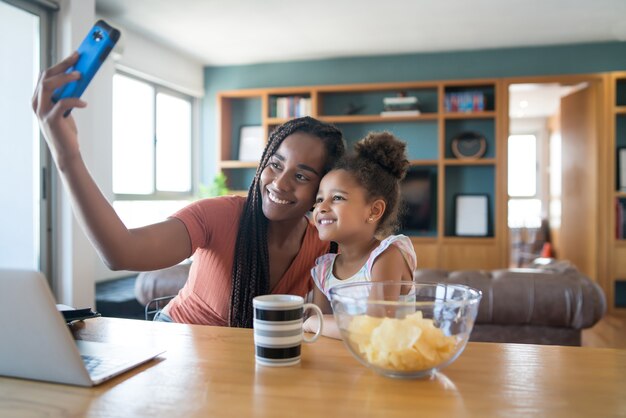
x: 94, y: 49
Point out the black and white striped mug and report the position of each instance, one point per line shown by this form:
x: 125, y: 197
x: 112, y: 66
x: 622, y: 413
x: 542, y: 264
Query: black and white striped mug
x: 278, y: 333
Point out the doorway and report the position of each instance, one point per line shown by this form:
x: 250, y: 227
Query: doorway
x: 24, y: 174
x: 552, y: 151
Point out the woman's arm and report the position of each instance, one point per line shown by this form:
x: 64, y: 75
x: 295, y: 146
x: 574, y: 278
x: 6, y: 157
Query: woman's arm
x: 148, y: 248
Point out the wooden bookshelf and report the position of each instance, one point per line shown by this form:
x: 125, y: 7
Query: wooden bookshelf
x: 617, y: 140
x: 427, y: 135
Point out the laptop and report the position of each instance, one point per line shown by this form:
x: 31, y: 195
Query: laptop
x: 37, y: 344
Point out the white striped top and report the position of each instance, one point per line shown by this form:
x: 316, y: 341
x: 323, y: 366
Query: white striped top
x: 323, y: 271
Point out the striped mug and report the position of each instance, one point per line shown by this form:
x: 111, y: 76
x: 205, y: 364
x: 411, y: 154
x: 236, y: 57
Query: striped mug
x: 278, y: 331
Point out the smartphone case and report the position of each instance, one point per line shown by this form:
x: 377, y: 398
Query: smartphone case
x: 94, y: 49
x: 72, y: 315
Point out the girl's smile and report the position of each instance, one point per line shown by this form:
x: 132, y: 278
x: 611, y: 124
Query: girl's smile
x: 341, y: 208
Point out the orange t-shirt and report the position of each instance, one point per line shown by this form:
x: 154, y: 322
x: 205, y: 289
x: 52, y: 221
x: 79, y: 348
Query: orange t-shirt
x: 212, y: 225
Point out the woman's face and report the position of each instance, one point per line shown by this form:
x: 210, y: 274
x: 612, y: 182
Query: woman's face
x: 290, y: 180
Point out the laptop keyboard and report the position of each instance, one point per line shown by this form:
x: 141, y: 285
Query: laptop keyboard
x: 97, y: 365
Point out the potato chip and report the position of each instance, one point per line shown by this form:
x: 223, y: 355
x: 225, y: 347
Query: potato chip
x: 361, y: 328
x: 408, y: 344
x: 394, y: 335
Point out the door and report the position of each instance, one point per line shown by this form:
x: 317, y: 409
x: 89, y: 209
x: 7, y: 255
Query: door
x: 578, y: 234
x: 24, y: 221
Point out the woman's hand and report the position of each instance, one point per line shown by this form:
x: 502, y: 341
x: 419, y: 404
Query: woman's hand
x: 59, y: 131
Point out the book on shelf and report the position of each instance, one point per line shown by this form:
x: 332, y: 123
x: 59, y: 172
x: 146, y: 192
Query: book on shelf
x: 466, y: 101
x: 392, y: 108
x: 400, y: 104
x: 400, y: 101
x: 410, y: 112
x: 290, y: 107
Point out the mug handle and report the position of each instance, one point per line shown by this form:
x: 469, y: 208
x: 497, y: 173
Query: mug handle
x: 320, y: 316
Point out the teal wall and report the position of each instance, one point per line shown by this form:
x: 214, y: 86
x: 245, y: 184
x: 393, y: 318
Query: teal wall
x: 511, y: 62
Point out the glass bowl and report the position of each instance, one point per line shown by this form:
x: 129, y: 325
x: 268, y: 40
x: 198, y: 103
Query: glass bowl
x: 405, y: 329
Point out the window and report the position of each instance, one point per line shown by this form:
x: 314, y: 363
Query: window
x: 27, y: 32
x: 524, y: 201
x: 152, y: 141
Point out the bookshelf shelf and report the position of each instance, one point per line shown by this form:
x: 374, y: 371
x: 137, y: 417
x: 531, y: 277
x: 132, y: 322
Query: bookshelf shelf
x: 277, y: 121
x: 620, y: 110
x: 423, y: 162
x: 377, y: 118
x: 470, y: 115
x: 481, y: 161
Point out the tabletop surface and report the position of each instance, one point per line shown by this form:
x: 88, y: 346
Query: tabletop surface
x: 210, y: 371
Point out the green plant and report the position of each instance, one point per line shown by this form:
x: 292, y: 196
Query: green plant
x: 217, y: 188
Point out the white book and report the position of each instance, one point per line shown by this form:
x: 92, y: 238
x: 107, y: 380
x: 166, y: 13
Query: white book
x: 400, y: 113
x: 399, y: 100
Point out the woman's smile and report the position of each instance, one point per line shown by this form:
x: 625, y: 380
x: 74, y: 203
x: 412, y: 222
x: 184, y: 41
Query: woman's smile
x: 274, y: 198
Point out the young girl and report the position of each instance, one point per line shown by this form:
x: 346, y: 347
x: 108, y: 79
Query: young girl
x: 357, y: 207
x: 242, y: 247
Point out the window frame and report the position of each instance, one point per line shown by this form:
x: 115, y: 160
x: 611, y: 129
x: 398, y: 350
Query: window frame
x: 158, y: 195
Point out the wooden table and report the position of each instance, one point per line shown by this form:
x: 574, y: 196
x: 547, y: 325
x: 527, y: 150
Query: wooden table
x: 210, y: 371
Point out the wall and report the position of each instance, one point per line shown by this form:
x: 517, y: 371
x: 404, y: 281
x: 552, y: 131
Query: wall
x: 78, y: 266
x: 74, y: 258
x: 572, y: 59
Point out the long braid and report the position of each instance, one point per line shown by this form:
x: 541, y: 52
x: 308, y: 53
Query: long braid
x: 251, y: 268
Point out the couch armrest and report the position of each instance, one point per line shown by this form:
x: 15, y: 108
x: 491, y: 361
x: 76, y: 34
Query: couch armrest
x: 159, y: 283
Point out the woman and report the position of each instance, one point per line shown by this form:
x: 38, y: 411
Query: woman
x: 242, y: 247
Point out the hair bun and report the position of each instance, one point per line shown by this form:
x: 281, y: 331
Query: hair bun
x: 386, y: 150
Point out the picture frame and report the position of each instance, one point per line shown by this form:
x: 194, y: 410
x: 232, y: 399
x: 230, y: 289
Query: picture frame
x: 471, y: 215
x: 621, y: 169
x: 251, y: 143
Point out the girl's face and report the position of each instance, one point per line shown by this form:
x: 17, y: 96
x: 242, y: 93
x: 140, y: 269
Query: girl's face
x: 291, y: 178
x: 341, y: 209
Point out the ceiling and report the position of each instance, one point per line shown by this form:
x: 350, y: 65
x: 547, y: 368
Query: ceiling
x: 233, y: 32
x: 537, y: 100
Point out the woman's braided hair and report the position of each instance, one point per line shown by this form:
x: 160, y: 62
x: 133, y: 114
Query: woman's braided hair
x: 251, y: 275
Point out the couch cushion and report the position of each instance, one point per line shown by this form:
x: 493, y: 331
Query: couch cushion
x: 529, y: 296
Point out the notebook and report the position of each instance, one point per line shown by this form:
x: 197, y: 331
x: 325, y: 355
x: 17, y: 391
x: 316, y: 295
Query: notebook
x: 37, y: 344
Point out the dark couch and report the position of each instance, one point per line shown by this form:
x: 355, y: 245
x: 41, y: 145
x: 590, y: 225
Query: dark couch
x: 538, y: 306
